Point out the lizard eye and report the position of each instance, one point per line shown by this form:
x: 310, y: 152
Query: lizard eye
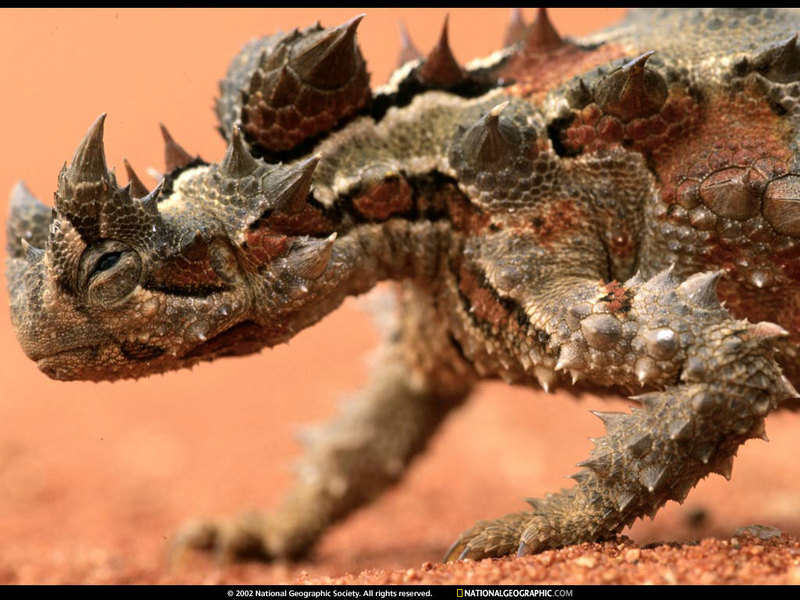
x: 107, y: 261
x: 110, y: 271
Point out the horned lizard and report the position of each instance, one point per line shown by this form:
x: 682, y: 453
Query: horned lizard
x: 618, y: 211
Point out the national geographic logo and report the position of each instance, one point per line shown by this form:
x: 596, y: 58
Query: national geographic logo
x: 513, y: 593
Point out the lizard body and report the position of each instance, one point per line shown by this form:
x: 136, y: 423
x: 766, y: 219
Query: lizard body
x: 620, y: 210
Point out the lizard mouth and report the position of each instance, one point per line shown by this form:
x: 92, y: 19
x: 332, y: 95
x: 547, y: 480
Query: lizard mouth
x: 65, y: 364
x: 140, y: 359
x: 246, y: 337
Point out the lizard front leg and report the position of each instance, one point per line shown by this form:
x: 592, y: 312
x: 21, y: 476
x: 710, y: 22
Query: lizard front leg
x: 418, y: 378
x: 717, y: 379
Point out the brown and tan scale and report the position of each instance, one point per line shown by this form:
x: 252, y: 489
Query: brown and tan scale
x: 593, y: 130
x: 619, y: 298
x: 482, y: 301
x: 622, y: 210
x: 385, y: 198
x: 558, y: 222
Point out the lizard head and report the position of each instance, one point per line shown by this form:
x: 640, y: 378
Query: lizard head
x: 118, y: 282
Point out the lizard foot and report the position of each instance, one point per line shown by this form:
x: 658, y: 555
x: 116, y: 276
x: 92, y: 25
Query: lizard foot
x: 247, y: 537
x: 512, y: 533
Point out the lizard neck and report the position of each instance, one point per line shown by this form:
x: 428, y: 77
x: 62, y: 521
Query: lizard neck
x: 360, y: 258
x: 396, y: 249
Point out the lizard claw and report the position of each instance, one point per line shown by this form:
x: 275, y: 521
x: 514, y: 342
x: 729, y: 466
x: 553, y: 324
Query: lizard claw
x: 228, y: 540
x: 455, y: 551
x: 492, y: 539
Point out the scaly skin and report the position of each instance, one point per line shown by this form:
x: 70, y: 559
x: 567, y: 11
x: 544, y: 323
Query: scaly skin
x: 562, y: 211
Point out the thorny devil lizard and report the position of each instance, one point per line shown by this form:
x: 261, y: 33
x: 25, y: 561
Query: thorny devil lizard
x: 622, y: 210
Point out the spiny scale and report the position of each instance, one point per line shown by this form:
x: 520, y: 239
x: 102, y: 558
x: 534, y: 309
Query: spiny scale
x: 701, y: 289
x: 32, y: 254
x: 492, y: 141
x: 598, y: 463
x: 759, y: 431
x: 328, y: 59
x: 570, y: 357
x: 781, y: 62
x: 440, y: 67
x: 767, y: 331
x: 408, y: 51
x: 632, y: 90
x: 624, y: 499
x: 788, y: 389
x: 638, y: 443
x: 90, y: 201
x: 294, y: 87
x: 150, y: 201
x: 294, y: 185
x: 515, y: 33
x: 724, y: 467
x: 542, y: 36
x: 28, y: 222
x: 680, y: 428
x: 312, y: 258
x: 285, y: 90
x: 89, y: 160
x: 138, y: 189
x: 646, y: 370
x: 665, y: 280
x: 238, y: 162
x: 612, y: 420
x: 86, y: 184
x: 175, y: 157
x: 651, y: 401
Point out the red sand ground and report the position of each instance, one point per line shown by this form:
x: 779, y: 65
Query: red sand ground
x: 95, y: 478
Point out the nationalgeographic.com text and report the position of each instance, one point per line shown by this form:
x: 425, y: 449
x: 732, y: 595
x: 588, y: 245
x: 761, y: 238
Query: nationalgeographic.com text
x: 518, y: 593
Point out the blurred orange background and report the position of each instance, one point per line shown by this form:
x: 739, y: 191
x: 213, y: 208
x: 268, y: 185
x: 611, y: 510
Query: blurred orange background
x: 95, y: 477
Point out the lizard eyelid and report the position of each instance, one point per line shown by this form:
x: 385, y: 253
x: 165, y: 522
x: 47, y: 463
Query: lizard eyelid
x: 106, y: 261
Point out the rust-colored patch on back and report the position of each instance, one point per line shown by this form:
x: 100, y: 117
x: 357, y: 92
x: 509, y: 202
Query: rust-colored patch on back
x: 262, y: 245
x: 384, y: 199
x: 788, y: 261
x: 712, y: 180
x: 618, y: 297
x: 483, y: 303
x: 465, y: 215
x: 535, y: 74
x: 309, y: 221
x: 741, y: 132
x: 593, y: 130
x: 558, y: 221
